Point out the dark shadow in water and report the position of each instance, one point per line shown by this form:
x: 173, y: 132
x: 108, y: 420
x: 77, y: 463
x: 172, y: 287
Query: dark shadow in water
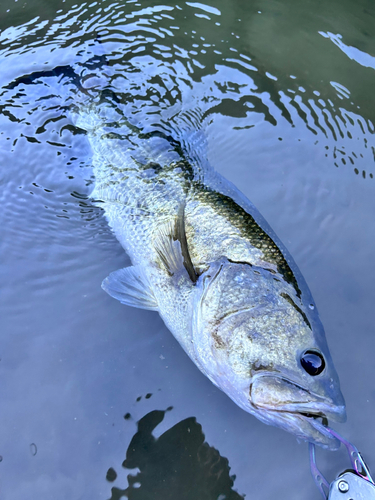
x: 177, y: 465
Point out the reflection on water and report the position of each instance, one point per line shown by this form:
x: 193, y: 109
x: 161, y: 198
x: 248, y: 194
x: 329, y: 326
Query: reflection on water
x: 163, y: 64
x: 162, y: 59
x: 177, y: 464
x: 282, y: 92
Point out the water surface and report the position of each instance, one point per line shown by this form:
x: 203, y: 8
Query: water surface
x: 283, y: 93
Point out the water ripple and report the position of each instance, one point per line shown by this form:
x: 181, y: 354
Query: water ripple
x: 165, y: 67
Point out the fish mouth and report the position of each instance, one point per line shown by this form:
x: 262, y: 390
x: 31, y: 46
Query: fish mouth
x: 281, y: 402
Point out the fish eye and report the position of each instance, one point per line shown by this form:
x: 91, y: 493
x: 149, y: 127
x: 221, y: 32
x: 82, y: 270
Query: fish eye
x: 313, y: 362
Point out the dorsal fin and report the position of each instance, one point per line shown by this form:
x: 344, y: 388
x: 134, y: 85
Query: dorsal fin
x: 172, y: 247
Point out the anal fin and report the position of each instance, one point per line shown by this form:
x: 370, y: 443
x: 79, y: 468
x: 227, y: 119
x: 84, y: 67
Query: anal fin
x: 129, y: 286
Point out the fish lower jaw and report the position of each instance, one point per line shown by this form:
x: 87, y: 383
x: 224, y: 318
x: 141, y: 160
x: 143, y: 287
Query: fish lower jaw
x: 307, y: 426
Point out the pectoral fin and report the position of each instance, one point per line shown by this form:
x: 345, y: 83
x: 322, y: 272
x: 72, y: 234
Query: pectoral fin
x: 130, y: 287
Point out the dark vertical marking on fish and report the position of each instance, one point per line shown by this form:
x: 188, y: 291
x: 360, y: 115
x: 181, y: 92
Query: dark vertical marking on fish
x: 291, y: 301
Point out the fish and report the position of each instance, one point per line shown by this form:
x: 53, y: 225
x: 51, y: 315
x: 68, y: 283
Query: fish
x: 206, y: 260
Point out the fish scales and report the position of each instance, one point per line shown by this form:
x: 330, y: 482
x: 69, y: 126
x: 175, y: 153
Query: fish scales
x: 225, y: 286
x: 149, y: 189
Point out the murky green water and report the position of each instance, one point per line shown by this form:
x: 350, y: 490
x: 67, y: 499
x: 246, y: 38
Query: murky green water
x: 284, y: 93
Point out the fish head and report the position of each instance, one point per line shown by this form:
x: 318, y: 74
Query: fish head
x: 258, y: 342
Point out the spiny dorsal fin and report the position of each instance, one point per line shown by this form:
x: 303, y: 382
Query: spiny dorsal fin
x: 172, y: 247
x: 130, y: 287
x: 168, y: 248
x: 181, y: 237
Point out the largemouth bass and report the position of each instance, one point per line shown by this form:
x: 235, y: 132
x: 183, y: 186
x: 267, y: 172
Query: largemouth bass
x: 221, y: 280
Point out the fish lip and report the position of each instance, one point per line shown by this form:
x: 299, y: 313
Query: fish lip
x: 335, y: 414
x: 288, y: 420
x: 303, y: 419
x: 327, y: 408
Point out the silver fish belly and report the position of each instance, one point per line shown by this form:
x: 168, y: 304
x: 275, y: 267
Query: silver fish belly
x: 225, y: 286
